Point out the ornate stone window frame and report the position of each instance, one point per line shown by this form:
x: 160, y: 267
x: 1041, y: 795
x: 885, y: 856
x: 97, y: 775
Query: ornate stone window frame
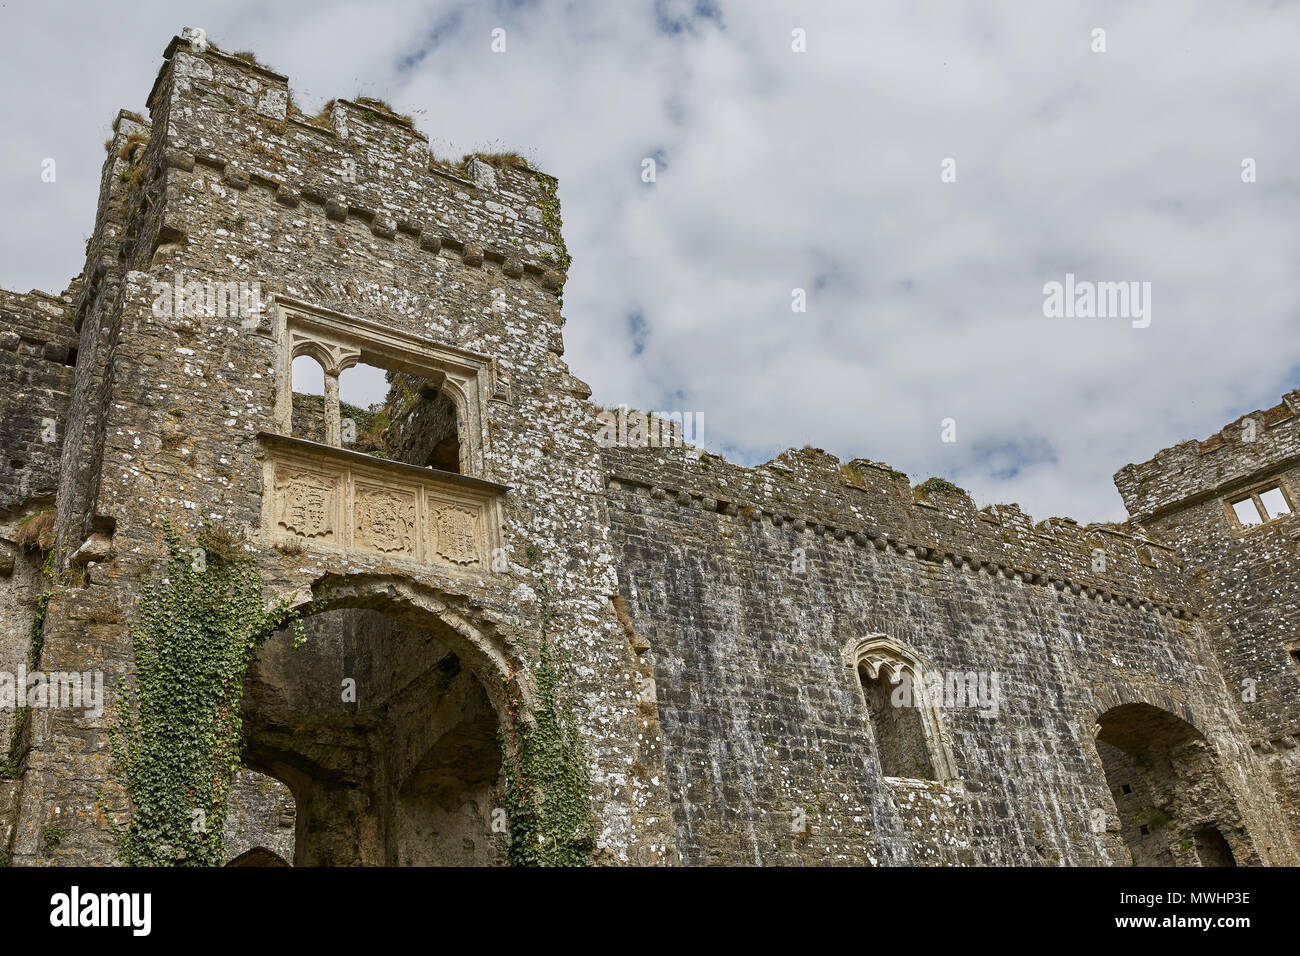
x: 875, y: 653
x: 339, y: 341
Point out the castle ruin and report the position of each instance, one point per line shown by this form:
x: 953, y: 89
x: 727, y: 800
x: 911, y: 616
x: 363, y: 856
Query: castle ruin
x: 737, y: 638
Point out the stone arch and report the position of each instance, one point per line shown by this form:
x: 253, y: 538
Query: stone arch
x: 258, y: 856
x: 1117, y: 695
x: 261, y: 815
x: 1213, y: 848
x: 914, y: 741
x: 387, y: 725
x: 334, y: 358
x: 1164, y: 781
x: 497, y: 663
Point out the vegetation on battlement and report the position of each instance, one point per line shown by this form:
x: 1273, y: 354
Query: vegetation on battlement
x: 939, y: 486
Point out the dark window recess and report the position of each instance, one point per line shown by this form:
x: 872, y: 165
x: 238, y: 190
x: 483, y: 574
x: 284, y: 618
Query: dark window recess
x: 71, y: 360
x: 900, y: 733
x: 1146, y: 830
x: 1126, y: 788
x: 1213, y: 849
x: 15, y: 465
x: 1295, y: 658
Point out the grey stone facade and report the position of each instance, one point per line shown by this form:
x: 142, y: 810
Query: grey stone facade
x: 737, y: 635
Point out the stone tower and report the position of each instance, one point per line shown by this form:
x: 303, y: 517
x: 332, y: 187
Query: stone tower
x: 233, y: 236
x: 1227, y: 504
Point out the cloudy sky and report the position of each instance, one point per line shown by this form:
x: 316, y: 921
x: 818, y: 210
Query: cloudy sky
x: 822, y: 170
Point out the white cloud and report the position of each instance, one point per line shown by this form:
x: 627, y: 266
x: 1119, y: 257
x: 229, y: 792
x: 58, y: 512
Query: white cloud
x: 818, y: 170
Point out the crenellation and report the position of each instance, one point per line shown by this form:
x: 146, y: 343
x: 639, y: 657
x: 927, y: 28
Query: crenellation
x: 894, y: 516
x: 363, y: 136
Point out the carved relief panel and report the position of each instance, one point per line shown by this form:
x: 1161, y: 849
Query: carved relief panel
x: 454, y: 530
x: 346, y: 501
x: 307, y: 503
x: 383, y: 519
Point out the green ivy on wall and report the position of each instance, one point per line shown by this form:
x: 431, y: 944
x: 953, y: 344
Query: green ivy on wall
x: 178, y: 742
x: 548, y: 785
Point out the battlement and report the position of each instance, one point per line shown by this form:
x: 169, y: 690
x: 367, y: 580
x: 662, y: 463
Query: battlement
x: 868, y: 504
x: 1244, y: 451
x: 356, y: 159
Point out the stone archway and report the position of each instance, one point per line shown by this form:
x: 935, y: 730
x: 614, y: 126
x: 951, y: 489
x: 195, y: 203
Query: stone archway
x: 260, y: 820
x: 258, y: 856
x: 1168, y: 793
x: 386, y: 725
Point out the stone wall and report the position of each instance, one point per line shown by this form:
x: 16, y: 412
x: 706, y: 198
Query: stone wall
x: 20, y: 589
x: 749, y: 584
x: 8, y: 811
x: 260, y: 826
x: 38, y: 349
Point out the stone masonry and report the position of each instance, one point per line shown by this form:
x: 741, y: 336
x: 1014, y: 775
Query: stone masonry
x: 804, y: 662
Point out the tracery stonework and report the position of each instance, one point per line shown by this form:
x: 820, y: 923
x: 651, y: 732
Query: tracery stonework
x: 305, y: 504
x: 385, y: 520
x: 455, y: 533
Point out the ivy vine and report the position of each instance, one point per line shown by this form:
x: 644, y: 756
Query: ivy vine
x: 548, y: 784
x: 178, y: 743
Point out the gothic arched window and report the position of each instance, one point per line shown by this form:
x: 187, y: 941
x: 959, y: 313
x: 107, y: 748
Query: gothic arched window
x: 904, y: 722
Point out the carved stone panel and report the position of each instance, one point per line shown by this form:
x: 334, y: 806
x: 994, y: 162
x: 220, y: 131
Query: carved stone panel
x: 383, y: 519
x: 454, y: 531
x: 345, y: 501
x: 306, y: 503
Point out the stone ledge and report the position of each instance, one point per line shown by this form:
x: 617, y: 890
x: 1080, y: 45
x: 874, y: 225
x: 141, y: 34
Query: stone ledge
x: 345, y: 455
